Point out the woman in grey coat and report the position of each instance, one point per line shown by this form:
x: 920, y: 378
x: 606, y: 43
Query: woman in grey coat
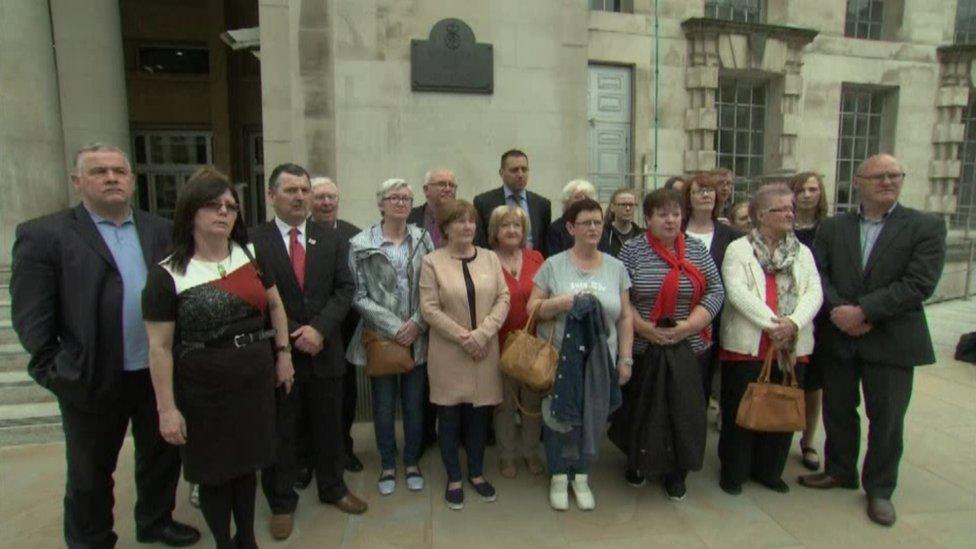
x: 385, y: 260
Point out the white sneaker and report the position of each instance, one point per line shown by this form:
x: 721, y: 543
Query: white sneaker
x: 581, y: 489
x: 559, y: 492
x: 387, y: 484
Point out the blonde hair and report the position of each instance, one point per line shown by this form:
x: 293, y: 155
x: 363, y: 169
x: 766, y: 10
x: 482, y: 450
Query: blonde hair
x: 389, y: 186
x: 502, y: 214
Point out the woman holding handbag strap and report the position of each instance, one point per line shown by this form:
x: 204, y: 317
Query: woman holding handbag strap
x: 507, y: 230
x: 385, y: 261
x: 773, y: 292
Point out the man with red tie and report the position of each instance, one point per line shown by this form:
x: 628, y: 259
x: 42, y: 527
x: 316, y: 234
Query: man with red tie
x: 309, y: 264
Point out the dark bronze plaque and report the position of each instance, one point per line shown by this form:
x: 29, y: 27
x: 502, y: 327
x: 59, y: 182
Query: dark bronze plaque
x: 451, y: 61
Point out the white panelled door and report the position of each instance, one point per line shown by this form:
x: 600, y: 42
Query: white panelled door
x: 609, y: 113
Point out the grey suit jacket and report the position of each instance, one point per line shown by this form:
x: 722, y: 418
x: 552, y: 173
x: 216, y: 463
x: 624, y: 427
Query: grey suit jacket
x: 901, y: 273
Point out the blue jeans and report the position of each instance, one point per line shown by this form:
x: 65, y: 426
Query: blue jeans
x: 384, y: 390
x: 556, y: 463
x: 470, y: 422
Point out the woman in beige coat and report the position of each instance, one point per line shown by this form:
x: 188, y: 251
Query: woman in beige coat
x: 464, y: 299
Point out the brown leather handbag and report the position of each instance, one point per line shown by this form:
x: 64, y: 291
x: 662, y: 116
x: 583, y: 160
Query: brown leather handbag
x: 773, y: 407
x: 384, y: 356
x: 529, y: 359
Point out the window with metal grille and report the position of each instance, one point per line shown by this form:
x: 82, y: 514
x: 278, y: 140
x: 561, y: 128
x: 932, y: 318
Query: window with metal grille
x: 966, y: 186
x: 735, y: 10
x: 606, y: 5
x: 741, y: 106
x: 965, y: 22
x: 865, y: 19
x: 164, y: 162
x: 859, y: 137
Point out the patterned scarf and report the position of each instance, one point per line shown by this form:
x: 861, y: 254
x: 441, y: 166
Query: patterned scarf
x: 780, y: 263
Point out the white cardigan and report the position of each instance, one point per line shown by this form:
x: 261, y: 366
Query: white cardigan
x: 746, y: 314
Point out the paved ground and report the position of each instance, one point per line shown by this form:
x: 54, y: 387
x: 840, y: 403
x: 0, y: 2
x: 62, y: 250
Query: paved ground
x: 936, y: 498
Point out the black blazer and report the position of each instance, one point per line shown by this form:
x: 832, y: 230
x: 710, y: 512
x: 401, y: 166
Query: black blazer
x: 540, y: 212
x: 721, y: 238
x: 559, y: 240
x: 346, y: 231
x: 66, y: 293
x: 328, y: 291
x: 417, y: 215
x: 902, y: 271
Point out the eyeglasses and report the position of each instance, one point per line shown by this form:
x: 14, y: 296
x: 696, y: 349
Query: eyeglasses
x: 443, y: 184
x: 398, y: 199
x: 703, y: 191
x: 216, y: 205
x: 894, y: 177
x: 630, y: 205
x: 788, y: 209
x: 590, y: 223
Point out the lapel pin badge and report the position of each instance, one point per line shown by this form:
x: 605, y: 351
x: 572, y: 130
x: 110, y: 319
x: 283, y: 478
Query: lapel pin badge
x: 311, y: 241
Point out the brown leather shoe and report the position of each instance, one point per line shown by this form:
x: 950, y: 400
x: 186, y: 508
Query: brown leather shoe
x: 281, y: 526
x: 507, y: 468
x: 881, y: 511
x: 825, y: 481
x: 535, y: 466
x: 351, y: 504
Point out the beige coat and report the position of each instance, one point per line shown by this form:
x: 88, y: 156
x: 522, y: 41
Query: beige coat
x: 456, y: 378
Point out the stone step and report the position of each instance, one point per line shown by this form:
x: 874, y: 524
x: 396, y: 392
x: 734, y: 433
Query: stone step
x: 13, y: 358
x: 17, y: 387
x: 7, y: 333
x: 30, y: 423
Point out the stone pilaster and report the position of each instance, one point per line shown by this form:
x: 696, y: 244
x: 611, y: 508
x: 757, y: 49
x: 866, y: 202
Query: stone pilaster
x: 949, y: 130
x: 701, y: 117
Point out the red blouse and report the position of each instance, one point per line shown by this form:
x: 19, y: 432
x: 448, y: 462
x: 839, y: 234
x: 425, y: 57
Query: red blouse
x: 519, y: 291
x: 764, y: 341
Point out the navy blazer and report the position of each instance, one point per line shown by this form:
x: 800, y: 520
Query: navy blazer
x: 327, y: 296
x: 901, y: 273
x: 540, y: 215
x: 66, y: 298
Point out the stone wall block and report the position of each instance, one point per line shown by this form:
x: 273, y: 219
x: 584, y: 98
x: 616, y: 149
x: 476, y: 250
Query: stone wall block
x: 947, y: 132
x: 952, y: 96
x: 698, y: 161
x: 945, y: 169
x: 774, y: 57
x: 733, y: 51
x: 791, y: 125
x: 792, y: 84
x: 701, y: 77
x: 701, y: 119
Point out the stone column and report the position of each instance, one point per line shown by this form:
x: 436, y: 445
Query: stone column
x: 790, y: 109
x: 947, y: 135
x: 701, y: 118
x: 32, y: 170
x: 91, y: 74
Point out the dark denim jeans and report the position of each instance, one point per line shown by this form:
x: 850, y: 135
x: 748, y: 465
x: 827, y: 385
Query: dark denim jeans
x: 384, y: 390
x: 554, y: 460
x: 471, y: 422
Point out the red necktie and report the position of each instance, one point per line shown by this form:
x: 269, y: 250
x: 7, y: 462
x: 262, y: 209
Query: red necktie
x: 297, y: 252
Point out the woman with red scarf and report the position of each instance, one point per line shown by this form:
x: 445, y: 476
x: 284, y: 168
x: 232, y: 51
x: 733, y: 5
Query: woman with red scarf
x: 675, y: 293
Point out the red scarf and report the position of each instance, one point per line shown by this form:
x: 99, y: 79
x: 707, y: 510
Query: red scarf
x: 667, y: 297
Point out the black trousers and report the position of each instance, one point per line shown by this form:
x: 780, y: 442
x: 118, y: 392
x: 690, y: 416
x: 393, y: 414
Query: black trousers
x: 744, y: 453
x: 349, y: 400
x: 887, y: 391
x: 92, y: 444
x: 313, y: 412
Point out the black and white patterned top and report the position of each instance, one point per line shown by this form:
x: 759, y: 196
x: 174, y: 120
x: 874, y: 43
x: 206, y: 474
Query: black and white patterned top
x: 647, y: 271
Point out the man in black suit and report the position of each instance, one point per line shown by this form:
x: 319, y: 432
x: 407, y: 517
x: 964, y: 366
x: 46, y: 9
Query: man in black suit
x: 76, y: 292
x: 310, y: 268
x: 514, y: 172
x: 325, y: 210
x: 878, y: 265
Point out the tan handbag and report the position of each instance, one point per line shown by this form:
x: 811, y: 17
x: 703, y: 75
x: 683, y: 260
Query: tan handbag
x: 529, y: 359
x: 773, y: 407
x: 384, y: 356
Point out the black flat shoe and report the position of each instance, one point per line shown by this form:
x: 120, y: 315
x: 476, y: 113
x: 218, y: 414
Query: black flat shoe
x: 353, y: 465
x: 811, y: 459
x: 776, y: 485
x: 730, y: 488
x: 172, y: 533
x: 303, y: 479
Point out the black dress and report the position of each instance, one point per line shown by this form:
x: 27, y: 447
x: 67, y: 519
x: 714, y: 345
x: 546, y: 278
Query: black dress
x: 226, y: 394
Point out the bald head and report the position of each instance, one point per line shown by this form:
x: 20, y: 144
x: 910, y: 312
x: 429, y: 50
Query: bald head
x: 325, y: 200
x: 878, y: 181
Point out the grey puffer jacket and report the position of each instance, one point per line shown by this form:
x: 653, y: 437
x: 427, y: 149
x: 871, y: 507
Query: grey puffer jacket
x: 376, y: 297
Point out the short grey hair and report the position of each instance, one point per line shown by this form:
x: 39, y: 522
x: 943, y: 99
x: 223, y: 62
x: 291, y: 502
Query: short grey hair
x: 763, y: 196
x: 578, y: 185
x: 430, y: 174
x: 98, y: 147
x: 391, y: 185
x: 320, y: 180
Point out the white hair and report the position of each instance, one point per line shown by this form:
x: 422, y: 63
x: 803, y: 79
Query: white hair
x: 98, y: 147
x: 429, y: 176
x: 578, y: 185
x: 318, y: 181
x: 391, y: 185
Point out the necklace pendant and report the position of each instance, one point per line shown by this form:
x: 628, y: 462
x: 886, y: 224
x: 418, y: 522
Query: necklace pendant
x: 222, y: 271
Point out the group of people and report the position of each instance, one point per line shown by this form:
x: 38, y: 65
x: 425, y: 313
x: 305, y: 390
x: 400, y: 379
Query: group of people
x: 234, y: 351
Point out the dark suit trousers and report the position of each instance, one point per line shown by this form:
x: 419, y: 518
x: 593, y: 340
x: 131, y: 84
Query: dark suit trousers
x: 887, y: 391
x: 744, y: 453
x: 92, y: 444
x: 349, y: 399
x: 313, y: 407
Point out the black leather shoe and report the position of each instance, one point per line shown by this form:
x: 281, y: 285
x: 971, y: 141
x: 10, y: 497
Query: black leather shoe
x: 826, y: 481
x: 353, y: 465
x: 303, y: 479
x: 172, y: 533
